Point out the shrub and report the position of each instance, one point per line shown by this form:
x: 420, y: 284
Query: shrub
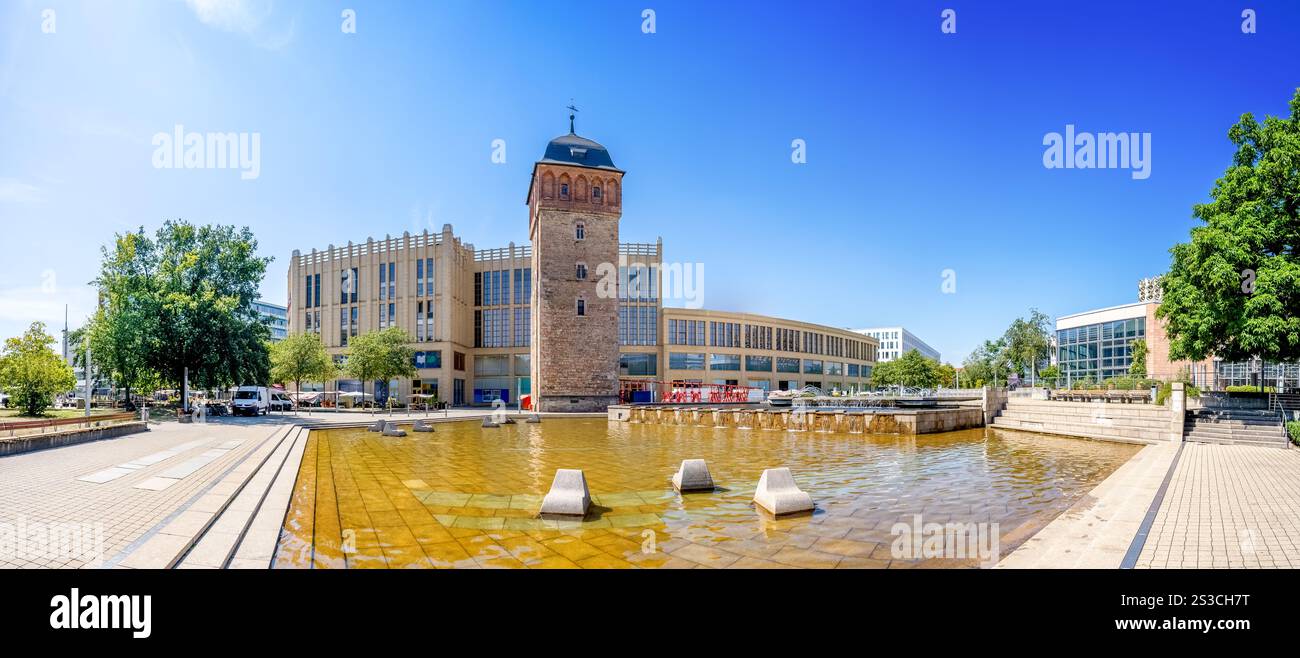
x: 1167, y: 387
x: 1293, y: 431
x: 1249, y: 389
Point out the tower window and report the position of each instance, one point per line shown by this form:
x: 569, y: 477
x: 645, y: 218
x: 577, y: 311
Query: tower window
x: 564, y: 190
x: 581, y: 273
x: 582, y: 307
x: 595, y: 194
x: 580, y: 231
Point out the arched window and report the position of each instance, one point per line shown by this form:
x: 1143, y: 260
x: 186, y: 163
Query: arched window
x: 595, y: 194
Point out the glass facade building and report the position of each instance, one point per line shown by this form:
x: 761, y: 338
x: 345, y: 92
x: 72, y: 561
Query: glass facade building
x: 1098, y: 351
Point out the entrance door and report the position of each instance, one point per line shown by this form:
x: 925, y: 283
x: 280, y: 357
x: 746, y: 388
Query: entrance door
x: 457, y: 392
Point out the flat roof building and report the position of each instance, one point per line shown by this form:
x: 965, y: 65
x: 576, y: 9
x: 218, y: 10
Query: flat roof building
x: 897, y: 341
x: 568, y: 318
x: 1098, y: 345
x: 275, y: 316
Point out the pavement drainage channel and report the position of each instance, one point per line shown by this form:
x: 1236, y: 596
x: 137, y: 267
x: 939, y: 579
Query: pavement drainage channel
x: 1144, y: 530
x: 140, y: 541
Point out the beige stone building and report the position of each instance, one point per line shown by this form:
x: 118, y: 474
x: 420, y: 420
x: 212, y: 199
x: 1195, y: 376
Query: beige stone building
x: 575, y: 319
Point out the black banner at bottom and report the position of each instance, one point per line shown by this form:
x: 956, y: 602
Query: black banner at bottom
x: 324, y: 607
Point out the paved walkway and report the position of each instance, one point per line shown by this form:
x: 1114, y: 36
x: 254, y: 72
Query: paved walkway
x: 1096, y: 532
x: 79, y: 506
x: 84, y: 505
x: 1228, y: 506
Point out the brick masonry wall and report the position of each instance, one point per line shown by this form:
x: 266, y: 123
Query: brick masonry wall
x: 574, y: 356
x: 1159, y: 365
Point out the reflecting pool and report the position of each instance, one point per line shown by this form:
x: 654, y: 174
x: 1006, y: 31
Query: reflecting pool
x: 467, y: 496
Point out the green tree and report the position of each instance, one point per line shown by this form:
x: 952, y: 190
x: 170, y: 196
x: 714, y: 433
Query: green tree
x: 32, y: 373
x: 947, y: 375
x: 910, y: 369
x: 1028, y: 343
x: 299, y: 357
x: 987, y: 363
x: 1233, y: 291
x: 1139, y: 352
x: 183, y: 299
x: 1050, y: 373
x: 381, y: 355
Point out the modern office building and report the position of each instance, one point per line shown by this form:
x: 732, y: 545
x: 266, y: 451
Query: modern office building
x: 897, y: 341
x: 1098, y: 344
x: 276, y: 317
x: 571, y: 319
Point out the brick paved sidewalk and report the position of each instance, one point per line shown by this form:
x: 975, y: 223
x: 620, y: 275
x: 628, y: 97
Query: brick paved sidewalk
x: 1228, y: 506
x: 91, y: 523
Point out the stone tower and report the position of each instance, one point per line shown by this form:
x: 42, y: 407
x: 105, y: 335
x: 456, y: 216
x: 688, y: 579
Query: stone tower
x: 575, y: 201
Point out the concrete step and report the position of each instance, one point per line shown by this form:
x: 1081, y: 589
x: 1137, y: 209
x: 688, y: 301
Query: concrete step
x: 1115, y: 432
x: 1077, y: 419
x: 1113, y: 409
x: 1235, y: 423
x: 237, y: 524
x: 1087, y: 414
x: 1198, y: 438
x: 172, y: 543
x: 1276, y: 430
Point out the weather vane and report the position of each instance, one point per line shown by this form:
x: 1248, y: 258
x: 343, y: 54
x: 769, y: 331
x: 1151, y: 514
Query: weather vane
x: 572, y: 111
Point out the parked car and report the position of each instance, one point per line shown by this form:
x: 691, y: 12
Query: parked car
x: 251, y: 401
x: 280, y: 401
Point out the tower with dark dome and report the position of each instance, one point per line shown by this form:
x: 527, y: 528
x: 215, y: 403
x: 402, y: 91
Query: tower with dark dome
x: 575, y: 202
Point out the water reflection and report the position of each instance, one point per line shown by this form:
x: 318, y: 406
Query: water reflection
x: 467, y: 496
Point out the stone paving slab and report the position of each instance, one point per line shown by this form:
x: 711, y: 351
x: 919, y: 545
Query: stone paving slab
x: 43, y: 487
x: 1096, y: 532
x: 1228, y: 506
x: 163, y: 547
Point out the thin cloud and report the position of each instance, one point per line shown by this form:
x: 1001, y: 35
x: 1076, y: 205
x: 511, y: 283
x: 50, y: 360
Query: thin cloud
x: 250, y: 18
x: 13, y: 190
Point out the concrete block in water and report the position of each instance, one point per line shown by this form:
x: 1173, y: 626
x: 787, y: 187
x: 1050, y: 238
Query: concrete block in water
x: 377, y: 426
x: 534, y: 418
x: 693, y: 475
x: 422, y: 426
x: 778, y: 494
x: 568, y: 495
x: 391, y: 430
x: 487, y: 422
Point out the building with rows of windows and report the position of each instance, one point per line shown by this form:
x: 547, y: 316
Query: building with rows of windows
x: 564, y: 319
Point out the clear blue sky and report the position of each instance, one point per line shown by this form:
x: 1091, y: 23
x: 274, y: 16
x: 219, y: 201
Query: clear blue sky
x: 924, y: 149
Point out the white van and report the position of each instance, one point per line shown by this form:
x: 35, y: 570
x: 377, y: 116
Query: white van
x: 251, y: 400
x: 280, y: 401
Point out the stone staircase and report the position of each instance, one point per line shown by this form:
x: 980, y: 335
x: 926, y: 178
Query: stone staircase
x: 244, y: 534
x: 236, y: 521
x: 1111, y: 421
x: 1288, y: 402
x: 1236, y: 427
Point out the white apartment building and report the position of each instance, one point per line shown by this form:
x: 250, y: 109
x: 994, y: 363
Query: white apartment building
x: 897, y: 341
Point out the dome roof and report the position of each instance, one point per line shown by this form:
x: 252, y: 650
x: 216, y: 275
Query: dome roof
x: 578, y: 151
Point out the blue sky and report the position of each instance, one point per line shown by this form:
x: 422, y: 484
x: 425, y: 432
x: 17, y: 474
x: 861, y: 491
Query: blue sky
x: 924, y: 149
